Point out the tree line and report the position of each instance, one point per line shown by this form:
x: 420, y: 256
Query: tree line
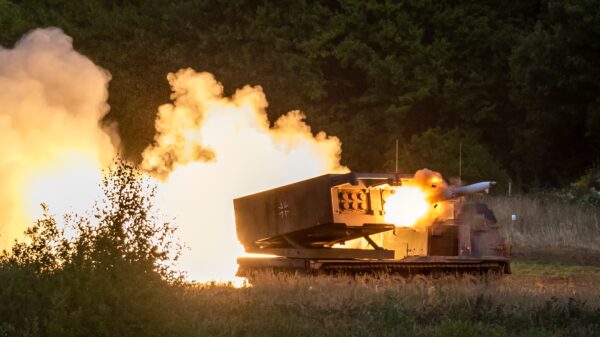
x: 515, y: 84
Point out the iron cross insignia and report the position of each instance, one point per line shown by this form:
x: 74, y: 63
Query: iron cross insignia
x: 283, y: 209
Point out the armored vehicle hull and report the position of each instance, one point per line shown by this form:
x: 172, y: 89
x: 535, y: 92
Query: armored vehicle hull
x: 336, y: 223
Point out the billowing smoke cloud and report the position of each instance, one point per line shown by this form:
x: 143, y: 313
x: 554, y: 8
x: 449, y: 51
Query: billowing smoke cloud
x: 51, y: 101
x: 210, y: 149
x: 428, y: 179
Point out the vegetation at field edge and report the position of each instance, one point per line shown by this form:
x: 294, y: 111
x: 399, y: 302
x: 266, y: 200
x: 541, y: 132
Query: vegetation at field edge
x: 112, y: 275
x: 517, y: 83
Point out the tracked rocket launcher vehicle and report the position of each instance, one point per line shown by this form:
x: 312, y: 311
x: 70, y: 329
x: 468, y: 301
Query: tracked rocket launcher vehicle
x: 337, y: 223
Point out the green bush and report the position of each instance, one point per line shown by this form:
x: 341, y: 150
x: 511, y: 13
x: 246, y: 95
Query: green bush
x: 586, y: 189
x: 105, y: 273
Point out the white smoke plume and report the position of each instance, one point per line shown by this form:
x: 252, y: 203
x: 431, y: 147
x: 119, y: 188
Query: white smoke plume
x: 210, y: 149
x: 52, y: 99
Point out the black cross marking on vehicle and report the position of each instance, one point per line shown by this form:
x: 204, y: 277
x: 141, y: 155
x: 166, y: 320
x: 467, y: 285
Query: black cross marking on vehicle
x: 283, y: 209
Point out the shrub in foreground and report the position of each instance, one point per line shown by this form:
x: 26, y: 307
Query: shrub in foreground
x: 109, y: 273
x: 104, y: 273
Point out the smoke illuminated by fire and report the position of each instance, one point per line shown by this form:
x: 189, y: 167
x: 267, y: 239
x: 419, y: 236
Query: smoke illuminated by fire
x: 208, y: 148
x: 211, y: 149
x: 51, y: 101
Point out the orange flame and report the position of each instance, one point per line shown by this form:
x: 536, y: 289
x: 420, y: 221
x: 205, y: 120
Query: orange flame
x: 406, y: 206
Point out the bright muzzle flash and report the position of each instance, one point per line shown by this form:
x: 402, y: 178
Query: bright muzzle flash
x: 406, y: 206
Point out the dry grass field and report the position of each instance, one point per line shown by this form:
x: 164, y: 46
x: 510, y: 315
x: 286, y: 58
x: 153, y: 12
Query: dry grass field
x: 553, y: 291
x: 544, y: 223
x: 537, y: 300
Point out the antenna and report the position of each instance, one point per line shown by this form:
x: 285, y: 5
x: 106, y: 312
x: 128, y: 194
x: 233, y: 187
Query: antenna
x: 396, y: 155
x: 460, y: 164
x: 397, y: 175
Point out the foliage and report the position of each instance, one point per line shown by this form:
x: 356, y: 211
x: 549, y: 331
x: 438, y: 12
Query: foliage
x: 522, y: 77
x: 109, y: 270
x: 441, y: 151
x: 555, y: 70
x: 585, y: 190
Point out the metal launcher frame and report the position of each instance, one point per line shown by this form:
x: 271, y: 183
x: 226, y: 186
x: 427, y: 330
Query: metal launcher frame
x: 306, y: 225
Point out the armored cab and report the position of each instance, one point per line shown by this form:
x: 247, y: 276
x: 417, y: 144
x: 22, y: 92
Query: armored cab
x: 337, y: 223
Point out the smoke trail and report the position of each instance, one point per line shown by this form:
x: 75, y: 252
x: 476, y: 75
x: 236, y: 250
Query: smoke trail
x: 51, y: 101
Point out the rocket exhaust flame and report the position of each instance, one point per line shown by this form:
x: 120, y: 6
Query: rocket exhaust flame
x: 406, y: 206
x: 416, y: 203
